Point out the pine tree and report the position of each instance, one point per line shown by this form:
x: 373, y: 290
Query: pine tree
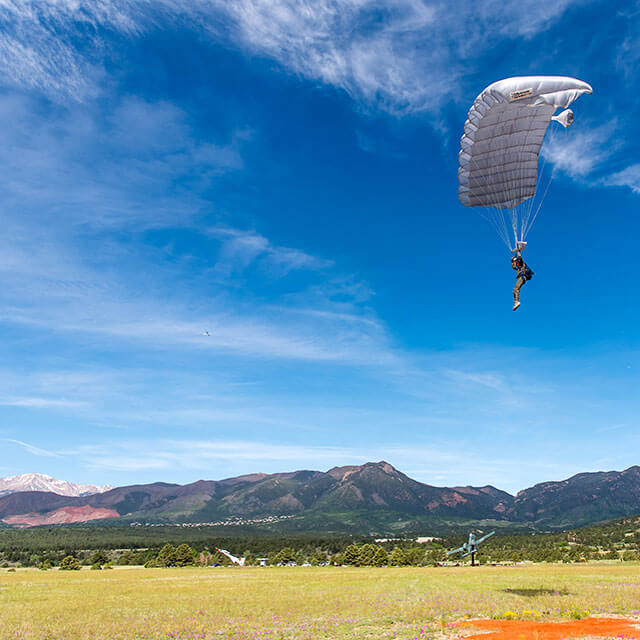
x: 166, y: 557
x: 366, y: 555
x: 381, y: 557
x: 183, y: 556
x: 397, y: 558
x: 351, y: 554
x: 414, y: 556
x: 284, y: 556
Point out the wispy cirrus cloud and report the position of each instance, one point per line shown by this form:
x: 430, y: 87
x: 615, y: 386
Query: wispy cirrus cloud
x: 581, y: 150
x: 584, y: 156
x: 68, y: 268
x: 55, y: 290
x: 212, y: 460
x: 40, y: 403
x: 240, y: 249
x: 56, y: 47
x: 78, y: 300
x: 205, y: 453
x: 629, y: 177
x: 401, y: 56
x: 109, y: 172
x: 36, y: 451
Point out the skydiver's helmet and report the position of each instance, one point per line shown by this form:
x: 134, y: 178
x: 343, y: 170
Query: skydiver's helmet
x: 517, y: 261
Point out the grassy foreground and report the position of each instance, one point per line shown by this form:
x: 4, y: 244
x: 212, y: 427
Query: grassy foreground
x: 260, y: 603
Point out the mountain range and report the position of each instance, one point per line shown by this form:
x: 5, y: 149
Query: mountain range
x: 371, y: 498
x: 40, y: 482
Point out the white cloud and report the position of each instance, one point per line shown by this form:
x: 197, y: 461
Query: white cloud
x: 403, y: 56
x: 629, y: 177
x: 580, y: 150
x: 53, y: 46
x: 629, y: 47
x: 241, y: 248
x: 203, y: 454
x: 583, y: 154
x: 40, y: 403
x: 226, y: 457
x: 81, y: 301
x: 142, y: 167
x: 491, y: 380
x: 36, y: 451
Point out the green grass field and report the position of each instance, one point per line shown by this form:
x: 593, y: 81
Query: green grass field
x: 260, y: 603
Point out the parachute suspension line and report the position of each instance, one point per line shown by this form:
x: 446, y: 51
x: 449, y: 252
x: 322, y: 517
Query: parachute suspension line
x: 521, y: 178
x: 540, y: 204
x: 527, y: 222
x: 551, y: 137
x: 503, y: 221
x: 514, y: 179
x: 501, y: 225
x: 497, y: 221
x: 524, y: 208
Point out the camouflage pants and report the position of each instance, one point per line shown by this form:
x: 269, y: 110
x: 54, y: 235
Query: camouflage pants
x: 516, y: 289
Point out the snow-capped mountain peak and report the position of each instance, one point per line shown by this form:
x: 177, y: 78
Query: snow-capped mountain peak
x: 40, y: 482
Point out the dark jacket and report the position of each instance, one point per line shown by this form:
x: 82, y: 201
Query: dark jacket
x: 522, y: 269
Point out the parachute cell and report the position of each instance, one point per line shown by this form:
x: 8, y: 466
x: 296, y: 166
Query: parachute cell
x: 502, y: 138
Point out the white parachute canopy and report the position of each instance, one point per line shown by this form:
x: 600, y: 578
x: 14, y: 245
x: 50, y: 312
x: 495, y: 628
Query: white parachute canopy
x: 502, y: 138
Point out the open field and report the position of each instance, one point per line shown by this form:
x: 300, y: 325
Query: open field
x: 258, y: 603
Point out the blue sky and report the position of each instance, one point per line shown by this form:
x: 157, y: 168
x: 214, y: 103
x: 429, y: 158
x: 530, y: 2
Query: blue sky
x: 284, y: 176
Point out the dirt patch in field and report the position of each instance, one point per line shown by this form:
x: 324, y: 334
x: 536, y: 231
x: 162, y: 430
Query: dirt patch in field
x: 600, y: 628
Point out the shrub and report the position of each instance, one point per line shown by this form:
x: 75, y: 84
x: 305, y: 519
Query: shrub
x: 69, y: 563
x: 99, y: 557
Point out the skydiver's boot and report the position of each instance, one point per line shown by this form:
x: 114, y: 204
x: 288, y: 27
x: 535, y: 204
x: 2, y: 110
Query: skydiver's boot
x: 516, y: 304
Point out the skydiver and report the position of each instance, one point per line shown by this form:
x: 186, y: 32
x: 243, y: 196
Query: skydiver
x: 523, y: 273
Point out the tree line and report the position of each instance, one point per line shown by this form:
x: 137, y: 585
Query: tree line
x: 103, y: 546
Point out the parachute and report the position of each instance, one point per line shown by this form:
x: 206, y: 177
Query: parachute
x: 501, y: 144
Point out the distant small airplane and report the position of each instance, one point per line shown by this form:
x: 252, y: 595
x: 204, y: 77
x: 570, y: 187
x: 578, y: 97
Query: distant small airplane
x: 470, y: 548
x: 205, y: 333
